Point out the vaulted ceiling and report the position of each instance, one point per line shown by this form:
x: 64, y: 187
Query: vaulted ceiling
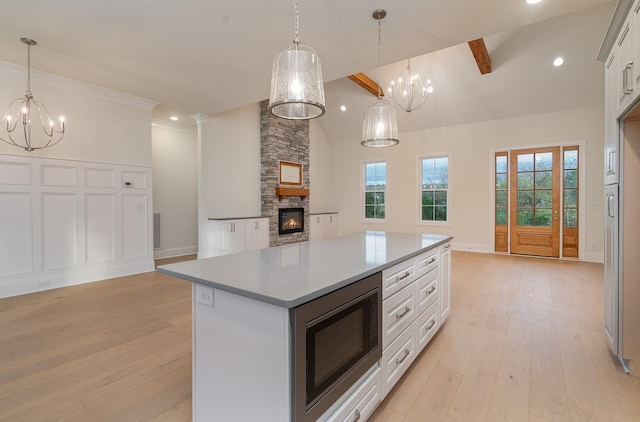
x: 204, y: 56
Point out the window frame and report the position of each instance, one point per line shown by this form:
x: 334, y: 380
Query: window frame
x: 419, y: 220
x: 363, y: 191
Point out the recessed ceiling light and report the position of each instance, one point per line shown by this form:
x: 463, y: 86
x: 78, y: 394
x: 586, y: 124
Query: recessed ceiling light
x: 559, y: 61
x: 533, y: 1
x: 174, y: 118
x: 343, y: 107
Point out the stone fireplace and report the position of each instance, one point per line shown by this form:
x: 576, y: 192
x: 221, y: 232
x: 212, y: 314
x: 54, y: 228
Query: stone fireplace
x: 283, y: 140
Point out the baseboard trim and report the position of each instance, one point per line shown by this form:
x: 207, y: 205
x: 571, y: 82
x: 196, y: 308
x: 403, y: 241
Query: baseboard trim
x: 16, y: 285
x: 593, y: 257
x: 471, y: 247
x: 173, y: 252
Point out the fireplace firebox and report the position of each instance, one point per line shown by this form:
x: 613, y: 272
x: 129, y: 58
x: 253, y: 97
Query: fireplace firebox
x: 290, y: 220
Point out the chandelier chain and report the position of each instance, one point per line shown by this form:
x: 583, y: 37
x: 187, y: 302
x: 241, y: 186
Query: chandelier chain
x: 379, y: 59
x: 28, y: 93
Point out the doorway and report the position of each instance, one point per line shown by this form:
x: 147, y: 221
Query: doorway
x: 536, y: 201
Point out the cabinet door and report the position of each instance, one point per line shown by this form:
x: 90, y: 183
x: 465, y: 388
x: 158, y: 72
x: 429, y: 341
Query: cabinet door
x: 611, y: 278
x: 635, y: 18
x: 331, y: 225
x: 233, y: 236
x: 445, y: 281
x: 611, y: 122
x: 625, y: 48
x: 256, y: 233
x: 316, y: 231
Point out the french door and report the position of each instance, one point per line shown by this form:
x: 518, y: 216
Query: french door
x: 536, y: 201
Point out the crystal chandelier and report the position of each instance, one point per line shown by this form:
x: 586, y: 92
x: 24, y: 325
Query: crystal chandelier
x: 408, y: 92
x: 297, y: 91
x: 379, y: 126
x: 27, y: 110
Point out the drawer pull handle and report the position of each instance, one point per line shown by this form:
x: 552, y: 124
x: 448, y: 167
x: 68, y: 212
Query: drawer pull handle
x: 403, y: 358
x: 356, y: 415
x: 404, y: 312
x: 448, y: 246
x: 403, y: 276
x: 431, y: 324
x: 431, y: 290
x: 431, y: 261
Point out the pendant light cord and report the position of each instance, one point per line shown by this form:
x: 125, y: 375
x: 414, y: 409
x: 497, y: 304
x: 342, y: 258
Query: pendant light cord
x: 379, y: 58
x: 28, y: 93
x: 296, y: 40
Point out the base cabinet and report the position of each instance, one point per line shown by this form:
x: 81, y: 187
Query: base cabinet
x: 360, y: 403
x: 323, y: 225
x: 228, y: 236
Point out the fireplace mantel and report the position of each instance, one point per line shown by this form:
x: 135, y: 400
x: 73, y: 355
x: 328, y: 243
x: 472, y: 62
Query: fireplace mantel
x: 301, y: 192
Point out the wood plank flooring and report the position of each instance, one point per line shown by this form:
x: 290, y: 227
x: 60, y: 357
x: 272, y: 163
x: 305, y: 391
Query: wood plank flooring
x: 524, y: 341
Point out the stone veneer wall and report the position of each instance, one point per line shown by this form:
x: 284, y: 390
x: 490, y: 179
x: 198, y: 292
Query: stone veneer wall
x: 282, y: 140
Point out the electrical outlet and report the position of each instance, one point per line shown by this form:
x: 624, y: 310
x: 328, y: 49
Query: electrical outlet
x: 44, y: 284
x: 204, y: 295
x: 594, y: 246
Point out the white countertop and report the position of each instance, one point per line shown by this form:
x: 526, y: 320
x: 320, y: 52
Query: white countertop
x: 291, y: 275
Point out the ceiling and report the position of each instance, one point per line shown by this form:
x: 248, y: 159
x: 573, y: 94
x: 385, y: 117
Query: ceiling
x: 203, y: 56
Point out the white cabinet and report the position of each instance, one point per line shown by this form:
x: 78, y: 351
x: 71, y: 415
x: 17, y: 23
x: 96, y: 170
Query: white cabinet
x: 634, y: 20
x: 228, y: 236
x: 445, y: 281
x: 611, y: 284
x: 256, y: 234
x: 360, y: 404
x: 612, y: 133
x: 624, y: 51
x: 323, y: 225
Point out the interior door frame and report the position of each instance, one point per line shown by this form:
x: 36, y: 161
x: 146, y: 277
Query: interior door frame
x: 582, y: 185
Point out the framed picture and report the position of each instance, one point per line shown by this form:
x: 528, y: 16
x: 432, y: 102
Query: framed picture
x: 290, y: 173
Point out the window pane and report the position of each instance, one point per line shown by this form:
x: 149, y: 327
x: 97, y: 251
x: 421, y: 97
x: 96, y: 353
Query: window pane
x: 441, y: 213
x: 501, y: 181
x: 543, y: 217
x: 525, y: 181
x: 571, y: 159
x: 441, y: 197
x: 369, y: 198
x: 571, y: 178
x: 544, y: 161
x: 379, y: 212
x: 501, y: 164
x: 501, y: 198
x: 571, y: 198
x: 428, y: 213
x: 525, y: 217
x: 525, y: 162
x: 379, y: 198
x: 571, y: 218
x: 427, y: 198
x: 544, y: 180
x: 501, y: 216
x: 369, y: 211
x: 525, y: 199
x: 543, y: 198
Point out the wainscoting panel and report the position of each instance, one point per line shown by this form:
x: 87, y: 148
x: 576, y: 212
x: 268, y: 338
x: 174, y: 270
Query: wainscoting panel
x: 16, y: 238
x: 59, y: 230
x: 65, y: 222
x: 135, y: 226
x: 100, y: 218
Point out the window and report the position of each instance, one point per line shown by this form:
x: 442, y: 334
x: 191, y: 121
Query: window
x: 375, y: 186
x: 434, y: 191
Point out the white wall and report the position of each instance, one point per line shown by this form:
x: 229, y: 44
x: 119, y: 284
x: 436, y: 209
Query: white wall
x: 229, y: 167
x: 321, y: 196
x: 471, y: 148
x: 175, y: 189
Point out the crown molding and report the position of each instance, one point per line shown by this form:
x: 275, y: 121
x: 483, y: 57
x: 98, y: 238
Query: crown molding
x: 165, y: 125
x: 13, y: 71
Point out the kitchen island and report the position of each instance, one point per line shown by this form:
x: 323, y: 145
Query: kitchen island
x: 242, y: 347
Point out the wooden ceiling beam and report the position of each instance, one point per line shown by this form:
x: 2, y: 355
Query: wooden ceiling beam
x: 367, y: 83
x: 480, y: 53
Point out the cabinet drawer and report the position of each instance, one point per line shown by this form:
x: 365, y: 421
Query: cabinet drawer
x: 361, y: 403
x: 396, y: 277
x: 427, y: 290
x: 427, y: 325
x: 427, y: 262
x: 397, y: 358
x: 399, y: 312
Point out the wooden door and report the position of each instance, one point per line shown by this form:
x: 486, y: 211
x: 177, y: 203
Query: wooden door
x: 535, y: 202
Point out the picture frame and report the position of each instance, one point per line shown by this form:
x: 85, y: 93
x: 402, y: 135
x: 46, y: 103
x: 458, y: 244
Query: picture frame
x: 290, y: 173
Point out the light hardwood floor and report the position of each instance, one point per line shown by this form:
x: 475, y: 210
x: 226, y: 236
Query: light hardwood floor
x: 524, y: 341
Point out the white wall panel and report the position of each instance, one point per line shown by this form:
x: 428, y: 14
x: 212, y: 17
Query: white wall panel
x: 59, y: 176
x: 59, y: 230
x: 15, y: 173
x: 135, y: 223
x: 100, y: 178
x: 134, y: 179
x: 15, y: 233
x: 100, y: 220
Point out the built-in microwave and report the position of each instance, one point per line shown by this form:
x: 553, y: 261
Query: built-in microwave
x: 337, y: 338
